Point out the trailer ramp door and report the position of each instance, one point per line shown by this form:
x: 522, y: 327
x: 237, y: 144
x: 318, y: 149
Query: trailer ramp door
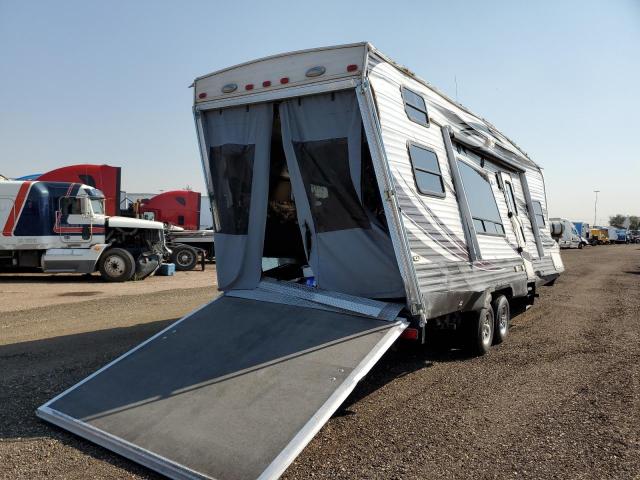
x: 234, y: 390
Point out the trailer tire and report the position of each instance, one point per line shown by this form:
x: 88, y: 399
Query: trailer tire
x: 502, y: 315
x: 116, y: 265
x: 184, y: 257
x: 481, y: 327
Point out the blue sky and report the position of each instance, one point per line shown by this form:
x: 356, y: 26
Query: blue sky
x: 107, y: 82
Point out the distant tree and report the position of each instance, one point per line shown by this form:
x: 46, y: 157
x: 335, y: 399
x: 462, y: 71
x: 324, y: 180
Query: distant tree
x: 634, y: 222
x: 617, y: 220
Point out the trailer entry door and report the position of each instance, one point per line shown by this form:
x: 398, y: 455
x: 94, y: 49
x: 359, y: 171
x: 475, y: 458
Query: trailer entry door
x: 516, y: 222
x: 234, y: 390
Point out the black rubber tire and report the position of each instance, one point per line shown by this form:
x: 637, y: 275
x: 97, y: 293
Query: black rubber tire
x: 481, y: 327
x: 184, y: 257
x: 580, y: 245
x: 116, y: 265
x: 502, y: 316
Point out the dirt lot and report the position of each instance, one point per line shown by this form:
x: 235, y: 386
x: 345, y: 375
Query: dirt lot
x: 560, y: 399
x: 31, y: 290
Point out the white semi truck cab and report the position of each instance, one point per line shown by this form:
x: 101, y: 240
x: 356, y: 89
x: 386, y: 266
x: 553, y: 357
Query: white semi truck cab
x: 62, y: 227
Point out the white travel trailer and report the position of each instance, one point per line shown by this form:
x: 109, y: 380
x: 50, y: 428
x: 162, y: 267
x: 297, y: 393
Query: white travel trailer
x: 570, y: 237
x: 385, y: 209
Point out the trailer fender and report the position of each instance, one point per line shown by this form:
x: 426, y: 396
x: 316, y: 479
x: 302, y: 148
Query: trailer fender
x: 73, y: 260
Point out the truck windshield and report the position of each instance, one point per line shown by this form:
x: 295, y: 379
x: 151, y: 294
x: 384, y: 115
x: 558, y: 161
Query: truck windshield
x: 97, y: 205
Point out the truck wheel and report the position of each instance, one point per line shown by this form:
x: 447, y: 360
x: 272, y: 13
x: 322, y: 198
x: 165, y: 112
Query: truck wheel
x: 481, y: 331
x: 116, y: 265
x: 185, y: 258
x: 502, y: 314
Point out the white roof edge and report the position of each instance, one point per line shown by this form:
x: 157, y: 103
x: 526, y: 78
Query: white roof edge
x: 371, y: 49
x: 278, y: 55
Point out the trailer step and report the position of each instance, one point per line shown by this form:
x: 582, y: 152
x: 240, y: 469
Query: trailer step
x: 234, y: 390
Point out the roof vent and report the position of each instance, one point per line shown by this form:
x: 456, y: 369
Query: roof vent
x: 316, y: 71
x: 229, y: 87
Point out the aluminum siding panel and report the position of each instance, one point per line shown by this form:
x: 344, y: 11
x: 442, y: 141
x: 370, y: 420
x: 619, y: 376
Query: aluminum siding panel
x: 434, y: 227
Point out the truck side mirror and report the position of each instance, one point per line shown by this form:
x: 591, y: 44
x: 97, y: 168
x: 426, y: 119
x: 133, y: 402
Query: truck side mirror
x: 86, y: 207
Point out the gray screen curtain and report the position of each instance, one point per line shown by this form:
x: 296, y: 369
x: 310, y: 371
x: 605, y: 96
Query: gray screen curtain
x: 238, y: 141
x: 347, y: 249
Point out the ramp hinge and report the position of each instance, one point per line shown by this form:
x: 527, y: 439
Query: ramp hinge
x: 389, y: 194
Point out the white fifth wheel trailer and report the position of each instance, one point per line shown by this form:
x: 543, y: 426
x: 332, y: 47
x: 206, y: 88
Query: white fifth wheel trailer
x: 384, y: 209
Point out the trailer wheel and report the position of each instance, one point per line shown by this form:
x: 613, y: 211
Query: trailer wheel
x: 116, y: 265
x: 481, y: 331
x: 502, y: 315
x: 184, y: 257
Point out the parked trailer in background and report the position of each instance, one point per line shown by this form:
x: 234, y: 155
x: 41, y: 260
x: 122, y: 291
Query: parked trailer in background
x: 599, y: 236
x: 618, y: 235
x: 583, y: 229
x: 389, y: 210
x: 570, y: 237
x: 62, y: 227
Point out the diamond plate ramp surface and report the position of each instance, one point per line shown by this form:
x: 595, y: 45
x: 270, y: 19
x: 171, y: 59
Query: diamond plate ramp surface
x: 234, y: 390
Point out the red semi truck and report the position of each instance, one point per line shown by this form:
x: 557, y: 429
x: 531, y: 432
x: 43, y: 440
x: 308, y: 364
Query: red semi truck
x: 177, y: 207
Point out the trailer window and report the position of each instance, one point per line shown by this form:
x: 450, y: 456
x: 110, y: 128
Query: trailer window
x: 231, y: 167
x: 426, y: 170
x: 415, y: 107
x: 482, y: 202
x: 324, y: 166
x: 537, y: 211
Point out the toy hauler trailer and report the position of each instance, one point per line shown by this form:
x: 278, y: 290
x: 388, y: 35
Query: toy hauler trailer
x: 62, y: 227
x: 388, y: 207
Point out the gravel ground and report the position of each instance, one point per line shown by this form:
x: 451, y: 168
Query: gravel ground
x: 62, y: 288
x: 559, y: 399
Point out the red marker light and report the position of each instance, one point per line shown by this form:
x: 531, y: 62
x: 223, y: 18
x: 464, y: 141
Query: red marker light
x: 266, y: 83
x: 248, y: 86
x: 410, y: 334
x: 352, y: 68
x: 284, y: 80
x: 202, y: 95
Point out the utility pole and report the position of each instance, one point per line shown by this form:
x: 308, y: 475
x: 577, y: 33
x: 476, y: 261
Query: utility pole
x: 595, y: 209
